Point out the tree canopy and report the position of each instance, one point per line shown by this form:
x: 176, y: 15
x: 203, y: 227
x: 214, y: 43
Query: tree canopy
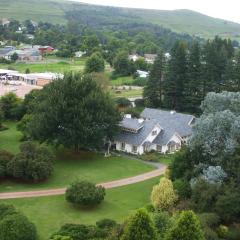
x: 74, y: 111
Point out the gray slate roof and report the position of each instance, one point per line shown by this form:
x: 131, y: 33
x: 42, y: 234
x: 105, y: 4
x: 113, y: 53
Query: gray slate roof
x: 139, y: 137
x: 131, y: 123
x: 171, y: 123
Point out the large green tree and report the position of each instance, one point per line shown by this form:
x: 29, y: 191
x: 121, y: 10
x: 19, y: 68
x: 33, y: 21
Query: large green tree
x: 153, y: 92
x: 74, y: 111
x: 174, y: 84
x: 95, y: 63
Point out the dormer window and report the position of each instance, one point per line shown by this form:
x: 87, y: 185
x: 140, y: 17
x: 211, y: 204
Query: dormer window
x: 154, y: 133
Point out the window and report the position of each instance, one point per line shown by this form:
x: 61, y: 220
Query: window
x: 159, y: 148
x: 154, y: 132
x: 134, y: 149
x: 123, y: 146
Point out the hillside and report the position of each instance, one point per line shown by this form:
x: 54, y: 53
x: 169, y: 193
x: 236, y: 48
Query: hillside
x: 58, y: 11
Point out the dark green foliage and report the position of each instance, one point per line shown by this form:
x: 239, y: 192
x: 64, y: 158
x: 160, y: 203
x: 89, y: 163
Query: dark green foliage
x: 5, y: 158
x: 75, y: 112
x: 193, y: 83
x: 139, y: 226
x: 153, y: 91
x: 205, y: 195
x: 15, y: 226
x: 139, y: 102
x: 174, y: 84
x: 133, y: 111
x: 81, y: 232
x: 14, y: 57
x: 183, y: 188
x: 106, y: 223
x: 162, y: 223
x: 187, y: 227
x: 11, y: 106
x: 85, y: 194
x: 122, y: 65
x: 123, y: 102
x: 228, y: 204
x: 33, y: 163
x: 23, y: 126
x: 6, y: 210
x: 95, y: 63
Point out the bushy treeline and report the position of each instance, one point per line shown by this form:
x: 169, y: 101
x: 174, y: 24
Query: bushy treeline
x: 206, y: 173
x: 182, y: 81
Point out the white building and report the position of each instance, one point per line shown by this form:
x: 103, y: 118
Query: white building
x: 162, y: 131
x: 142, y: 74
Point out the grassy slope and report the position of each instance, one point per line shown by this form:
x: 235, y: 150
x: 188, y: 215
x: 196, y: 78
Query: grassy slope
x: 69, y: 167
x: 49, y: 213
x: 180, y: 20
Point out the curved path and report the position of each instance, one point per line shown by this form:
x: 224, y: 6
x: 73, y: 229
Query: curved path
x: 60, y: 191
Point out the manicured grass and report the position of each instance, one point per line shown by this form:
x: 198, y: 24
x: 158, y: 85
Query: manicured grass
x: 44, y: 66
x: 49, y: 213
x: 70, y: 167
x: 10, y: 139
x: 128, y: 93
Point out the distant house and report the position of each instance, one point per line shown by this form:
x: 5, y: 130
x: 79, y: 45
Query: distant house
x: 79, y: 54
x: 142, y: 74
x: 38, y: 79
x: 28, y: 55
x: 46, y: 49
x: 150, y: 58
x: 4, y: 22
x: 133, y: 57
x: 159, y: 130
x: 5, y: 51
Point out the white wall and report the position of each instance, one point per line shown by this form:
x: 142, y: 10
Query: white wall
x: 128, y: 148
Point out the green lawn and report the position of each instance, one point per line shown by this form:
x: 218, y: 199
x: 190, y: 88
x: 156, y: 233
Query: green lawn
x: 49, y: 213
x: 122, y: 81
x: 70, y: 167
x: 59, y: 67
x: 128, y: 93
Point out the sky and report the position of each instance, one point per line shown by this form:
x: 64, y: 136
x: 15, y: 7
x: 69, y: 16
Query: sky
x: 225, y: 9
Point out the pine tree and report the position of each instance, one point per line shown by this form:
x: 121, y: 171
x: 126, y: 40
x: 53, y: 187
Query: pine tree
x: 174, y: 96
x: 237, y: 73
x: 153, y: 92
x: 193, y: 87
x: 139, y: 227
x: 187, y: 228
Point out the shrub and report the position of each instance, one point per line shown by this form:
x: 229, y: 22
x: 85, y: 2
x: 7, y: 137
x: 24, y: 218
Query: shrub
x: 163, y: 196
x: 139, y: 82
x: 85, y: 193
x: 187, y: 227
x: 150, y: 157
x: 15, y: 226
x: 222, y: 231
x: 33, y: 163
x: 209, y: 219
x: 228, y: 205
x: 106, y: 223
x: 123, y: 102
x: 139, y: 102
x: 204, y: 195
x: 6, y: 210
x: 59, y: 237
x: 134, y: 113
x: 183, y: 188
x: 162, y: 222
x: 139, y: 226
x: 5, y: 158
x: 80, y: 232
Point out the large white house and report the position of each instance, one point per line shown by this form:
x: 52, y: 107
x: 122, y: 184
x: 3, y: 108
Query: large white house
x: 159, y: 130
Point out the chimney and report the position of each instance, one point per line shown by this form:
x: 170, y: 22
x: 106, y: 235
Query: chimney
x: 140, y: 120
x: 128, y: 116
x: 172, y: 112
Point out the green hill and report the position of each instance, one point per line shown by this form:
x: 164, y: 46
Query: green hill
x: 57, y: 11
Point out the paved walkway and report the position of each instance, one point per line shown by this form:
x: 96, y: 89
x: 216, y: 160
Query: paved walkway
x: 107, y: 185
